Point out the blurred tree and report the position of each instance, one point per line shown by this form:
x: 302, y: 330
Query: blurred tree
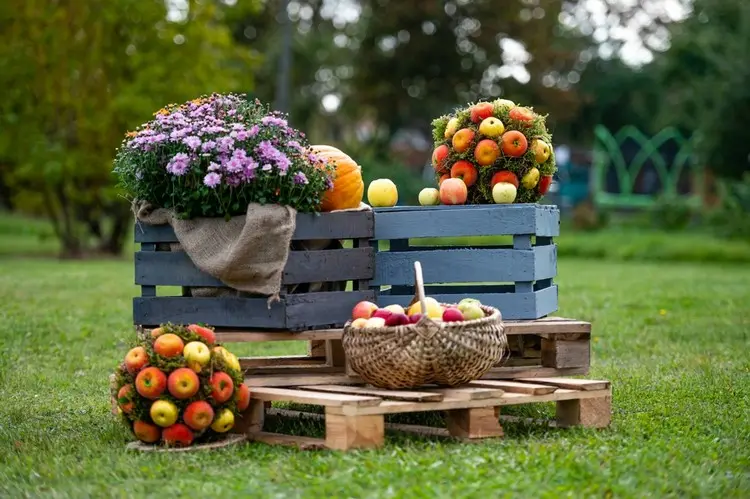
x: 706, y: 82
x: 77, y: 75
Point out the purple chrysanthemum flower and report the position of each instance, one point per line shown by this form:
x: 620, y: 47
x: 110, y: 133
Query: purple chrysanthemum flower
x: 192, y: 142
x: 300, y: 178
x: 295, y: 145
x: 212, y: 179
x: 234, y: 165
x: 226, y: 144
x: 266, y: 168
x: 212, y: 166
x: 329, y: 183
x: 208, y: 146
x: 254, y: 130
x: 274, y: 121
x: 179, y: 164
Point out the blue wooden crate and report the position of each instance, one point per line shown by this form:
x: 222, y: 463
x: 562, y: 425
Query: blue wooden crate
x: 156, y: 266
x: 517, y: 277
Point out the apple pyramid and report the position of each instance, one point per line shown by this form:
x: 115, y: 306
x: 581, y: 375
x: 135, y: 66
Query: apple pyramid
x: 501, y: 151
x: 178, y: 387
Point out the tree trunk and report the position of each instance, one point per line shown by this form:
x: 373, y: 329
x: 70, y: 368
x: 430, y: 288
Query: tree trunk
x: 115, y: 240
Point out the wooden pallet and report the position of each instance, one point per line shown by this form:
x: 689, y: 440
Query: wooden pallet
x: 552, y: 346
x: 355, y: 414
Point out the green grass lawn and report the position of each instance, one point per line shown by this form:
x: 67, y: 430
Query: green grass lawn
x: 673, y: 339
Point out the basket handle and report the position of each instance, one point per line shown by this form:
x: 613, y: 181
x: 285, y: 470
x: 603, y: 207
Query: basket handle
x: 419, y: 287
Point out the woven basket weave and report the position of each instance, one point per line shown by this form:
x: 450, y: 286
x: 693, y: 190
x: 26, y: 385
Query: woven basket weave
x: 428, y: 352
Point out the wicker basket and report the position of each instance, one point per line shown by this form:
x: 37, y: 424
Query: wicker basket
x: 428, y: 352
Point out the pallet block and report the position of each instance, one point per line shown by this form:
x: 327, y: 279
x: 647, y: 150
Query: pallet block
x: 355, y: 415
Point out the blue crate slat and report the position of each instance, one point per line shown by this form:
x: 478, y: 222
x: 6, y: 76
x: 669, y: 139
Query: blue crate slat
x: 167, y: 268
x: 472, y: 220
x: 513, y: 306
x: 294, y: 312
x: 339, y: 225
x: 466, y: 265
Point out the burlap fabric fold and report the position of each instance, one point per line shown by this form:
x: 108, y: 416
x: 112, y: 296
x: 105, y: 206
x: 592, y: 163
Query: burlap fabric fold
x: 247, y: 253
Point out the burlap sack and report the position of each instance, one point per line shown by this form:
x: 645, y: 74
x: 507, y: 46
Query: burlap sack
x: 247, y: 253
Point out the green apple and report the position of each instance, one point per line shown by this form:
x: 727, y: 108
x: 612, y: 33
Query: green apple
x: 224, y: 421
x: 504, y: 193
x: 471, y: 311
x: 197, y: 355
x: 470, y: 300
x: 531, y: 178
x: 395, y: 308
x: 504, y: 103
x: 429, y: 196
x: 452, y: 127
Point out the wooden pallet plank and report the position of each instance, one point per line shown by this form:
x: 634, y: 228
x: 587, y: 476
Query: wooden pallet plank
x: 571, y: 383
x: 516, y: 387
x: 466, y: 265
x: 468, y: 392
x: 405, y: 395
x: 175, y: 268
x: 296, y: 379
x: 589, y: 412
x: 532, y: 372
x: 297, y: 441
x: 315, y: 398
x: 395, y: 407
x: 340, y: 225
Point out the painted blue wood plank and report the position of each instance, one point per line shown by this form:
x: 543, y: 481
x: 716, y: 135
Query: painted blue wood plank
x: 513, y: 306
x: 218, y: 312
x: 466, y: 265
x: 309, y: 226
x: 473, y: 220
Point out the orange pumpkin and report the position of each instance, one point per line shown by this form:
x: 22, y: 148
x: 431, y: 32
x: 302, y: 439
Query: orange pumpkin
x: 348, y: 187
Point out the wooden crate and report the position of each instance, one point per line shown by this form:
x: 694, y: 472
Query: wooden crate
x: 156, y: 266
x: 354, y: 415
x: 552, y: 346
x: 516, y: 278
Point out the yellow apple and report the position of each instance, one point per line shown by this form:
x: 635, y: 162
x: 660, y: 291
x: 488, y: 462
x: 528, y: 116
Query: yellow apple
x: 395, y: 308
x: 434, y: 310
x: 164, y: 413
x: 504, y: 103
x: 451, y: 128
x: 491, y: 127
x: 197, y: 355
x: 375, y: 322
x: 429, y: 196
x: 541, y: 151
x: 359, y: 323
x: 531, y: 178
x: 504, y: 193
x: 382, y: 193
x: 223, y: 422
x: 229, y: 358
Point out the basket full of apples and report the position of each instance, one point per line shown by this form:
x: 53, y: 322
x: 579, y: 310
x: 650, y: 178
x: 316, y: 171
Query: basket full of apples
x: 178, y: 388
x: 425, y: 343
x: 491, y: 152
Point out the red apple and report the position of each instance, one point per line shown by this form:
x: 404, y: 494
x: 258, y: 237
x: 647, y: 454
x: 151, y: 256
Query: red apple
x: 521, y: 114
x: 544, y: 184
x: 383, y: 313
x: 504, y: 176
x: 183, y: 383
x: 151, y: 383
x: 222, y: 387
x: 486, y: 152
x: 125, y: 398
x: 155, y: 333
x: 465, y: 171
x: 243, y: 397
x: 146, y: 432
x: 514, y: 144
x: 198, y: 415
x: 414, y: 318
x: 453, y: 191
x: 439, y: 156
x: 169, y: 345
x: 481, y: 111
x: 136, y: 359
x: 363, y: 310
x: 397, y: 320
x: 462, y: 139
x: 177, y: 435
x: 452, y: 314
x: 443, y: 177
x: 203, y: 332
